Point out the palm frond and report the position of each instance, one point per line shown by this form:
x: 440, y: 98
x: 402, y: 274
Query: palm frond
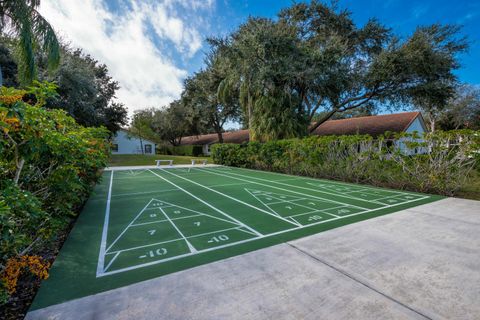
x: 33, y: 31
x: 46, y: 37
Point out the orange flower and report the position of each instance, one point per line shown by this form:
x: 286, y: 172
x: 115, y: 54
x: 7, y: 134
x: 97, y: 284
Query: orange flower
x: 9, y: 99
x: 15, y: 266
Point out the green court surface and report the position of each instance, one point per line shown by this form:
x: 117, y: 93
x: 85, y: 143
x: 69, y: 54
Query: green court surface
x: 141, y: 224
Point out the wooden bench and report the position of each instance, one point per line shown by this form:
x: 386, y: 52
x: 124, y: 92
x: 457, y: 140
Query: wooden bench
x: 170, y: 162
x: 203, y: 161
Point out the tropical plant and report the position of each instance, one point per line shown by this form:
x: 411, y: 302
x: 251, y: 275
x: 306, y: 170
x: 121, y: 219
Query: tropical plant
x: 32, y: 31
x: 48, y: 166
x: 439, y: 162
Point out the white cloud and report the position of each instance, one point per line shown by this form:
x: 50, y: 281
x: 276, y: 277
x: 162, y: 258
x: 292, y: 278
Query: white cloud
x: 147, y: 76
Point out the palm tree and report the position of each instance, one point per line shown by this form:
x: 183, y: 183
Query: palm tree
x: 33, y: 33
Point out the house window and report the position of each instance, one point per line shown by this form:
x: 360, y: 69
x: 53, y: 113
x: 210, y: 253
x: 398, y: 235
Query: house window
x: 148, y: 148
x: 114, y: 147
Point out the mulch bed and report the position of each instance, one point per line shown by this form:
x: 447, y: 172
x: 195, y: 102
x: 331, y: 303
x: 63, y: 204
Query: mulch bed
x: 28, y: 285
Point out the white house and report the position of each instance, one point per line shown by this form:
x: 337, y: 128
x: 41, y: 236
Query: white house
x: 125, y: 142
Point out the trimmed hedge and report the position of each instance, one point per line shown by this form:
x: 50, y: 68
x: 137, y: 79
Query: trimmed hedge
x: 441, y: 165
x: 194, y: 151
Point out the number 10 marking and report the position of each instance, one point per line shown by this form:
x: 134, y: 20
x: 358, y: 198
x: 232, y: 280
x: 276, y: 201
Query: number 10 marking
x: 220, y: 238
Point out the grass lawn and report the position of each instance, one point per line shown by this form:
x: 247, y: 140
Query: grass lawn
x: 472, y: 189
x: 141, y: 159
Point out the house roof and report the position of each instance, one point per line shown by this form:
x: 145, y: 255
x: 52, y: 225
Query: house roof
x: 133, y: 135
x: 239, y: 136
x: 372, y: 125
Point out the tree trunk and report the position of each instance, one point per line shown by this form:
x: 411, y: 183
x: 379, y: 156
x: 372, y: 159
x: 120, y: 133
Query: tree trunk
x: 249, y: 110
x: 322, y: 120
x: 141, y: 145
x: 19, y: 170
x: 220, y: 136
x: 1, y: 77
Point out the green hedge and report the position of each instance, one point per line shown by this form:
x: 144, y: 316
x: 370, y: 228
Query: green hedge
x: 363, y: 159
x: 193, y: 151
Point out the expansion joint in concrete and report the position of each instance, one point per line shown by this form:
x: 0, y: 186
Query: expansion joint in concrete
x: 369, y: 286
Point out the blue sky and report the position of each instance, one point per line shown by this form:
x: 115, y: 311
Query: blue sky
x: 150, y: 46
x: 402, y: 16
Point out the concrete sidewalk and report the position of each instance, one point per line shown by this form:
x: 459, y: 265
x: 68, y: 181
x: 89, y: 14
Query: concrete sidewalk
x: 420, y: 263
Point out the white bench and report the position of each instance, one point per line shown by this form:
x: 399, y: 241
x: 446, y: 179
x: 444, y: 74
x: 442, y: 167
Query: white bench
x: 170, y: 162
x: 202, y: 161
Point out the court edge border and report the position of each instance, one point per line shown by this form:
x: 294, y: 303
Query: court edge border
x: 100, y: 269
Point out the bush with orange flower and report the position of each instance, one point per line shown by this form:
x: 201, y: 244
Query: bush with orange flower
x: 48, y: 166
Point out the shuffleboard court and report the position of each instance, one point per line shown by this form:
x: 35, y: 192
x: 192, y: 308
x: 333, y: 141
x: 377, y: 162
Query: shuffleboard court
x: 145, y: 223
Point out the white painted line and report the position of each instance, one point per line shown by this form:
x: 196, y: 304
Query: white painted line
x: 275, y: 187
x: 237, y: 242
x: 246, y: 240
x: 246, y: 231
x: 164, y: 220
x: 207, y: 204
x: 199, y: 213
x: 319, y: 211
x: 230, y: 197
x: 144, y: 246
x: 273, y: 211
x: 129, y: 225
x: 348, y: 193
x: 296, y: 221
x: 144, y: 223
x: 111, y: 261
x: 310, y: 189
x: 138, y: 193
x: 174, y: 189
x: 300, y: 205
x: 338, y: 183
x: 192, y: 248
x: 216, y: 231
x: 180, y: 239
x: 103, y: 243
x: 155, y: 208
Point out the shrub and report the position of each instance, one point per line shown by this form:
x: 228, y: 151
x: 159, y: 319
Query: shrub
x: 197, y: 151
x: 435, y: 163
x: 48, y: 166
x: 191, y: 150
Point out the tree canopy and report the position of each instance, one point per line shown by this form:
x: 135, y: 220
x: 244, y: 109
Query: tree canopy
x: 462, y: 110
x: 85, y: 90
x: 285, y: 77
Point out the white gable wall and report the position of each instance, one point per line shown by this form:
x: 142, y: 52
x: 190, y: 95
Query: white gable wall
x: 418, y: 126
x: 129, y: 144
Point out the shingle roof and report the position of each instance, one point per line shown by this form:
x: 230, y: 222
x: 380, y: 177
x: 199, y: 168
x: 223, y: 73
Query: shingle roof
x: 372, y: 125
x: 239, y: 136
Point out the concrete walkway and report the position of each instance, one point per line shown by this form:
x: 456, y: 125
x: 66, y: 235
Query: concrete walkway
x: 420, y: 263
